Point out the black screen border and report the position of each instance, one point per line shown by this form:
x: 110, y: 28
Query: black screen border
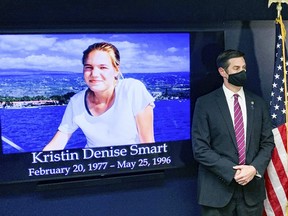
x: 180, y: 150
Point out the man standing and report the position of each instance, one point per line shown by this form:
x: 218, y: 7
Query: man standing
x: 232, y: 141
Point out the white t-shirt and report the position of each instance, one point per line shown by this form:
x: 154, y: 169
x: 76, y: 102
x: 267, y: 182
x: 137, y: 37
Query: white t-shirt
x: 117, y: 126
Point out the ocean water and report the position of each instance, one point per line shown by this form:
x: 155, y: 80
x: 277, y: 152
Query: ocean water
x: 33, y: 128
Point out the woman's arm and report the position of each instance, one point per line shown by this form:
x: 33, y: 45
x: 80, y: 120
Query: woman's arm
x: 144, y: 121
x: 58, y: 142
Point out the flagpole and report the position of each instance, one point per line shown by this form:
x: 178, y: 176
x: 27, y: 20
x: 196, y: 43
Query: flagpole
x: 283, y: 31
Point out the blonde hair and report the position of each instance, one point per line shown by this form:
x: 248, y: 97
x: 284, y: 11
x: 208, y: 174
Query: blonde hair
x: 106, y: 47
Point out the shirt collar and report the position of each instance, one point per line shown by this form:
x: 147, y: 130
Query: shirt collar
x: 229, y: 94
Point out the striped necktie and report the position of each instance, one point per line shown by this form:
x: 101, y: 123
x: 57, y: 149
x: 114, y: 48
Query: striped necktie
x: 239, y: 130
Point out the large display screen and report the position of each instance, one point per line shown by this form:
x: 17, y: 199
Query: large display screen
x: 40, y: 73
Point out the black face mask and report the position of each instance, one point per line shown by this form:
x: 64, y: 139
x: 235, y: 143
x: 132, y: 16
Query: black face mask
x: 237, y: 79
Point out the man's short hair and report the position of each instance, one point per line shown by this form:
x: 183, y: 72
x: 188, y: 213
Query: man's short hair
x: 225, y: 56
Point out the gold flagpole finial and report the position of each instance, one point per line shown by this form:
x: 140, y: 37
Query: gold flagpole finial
x: 279, y: 5
x: 276, y: 1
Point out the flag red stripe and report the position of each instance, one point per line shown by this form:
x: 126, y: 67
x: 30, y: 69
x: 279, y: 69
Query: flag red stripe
x: 280, y: 169
x: 277, y: 162
x: 271, y: 195
x: 282, y: 129
x: 271, y: 187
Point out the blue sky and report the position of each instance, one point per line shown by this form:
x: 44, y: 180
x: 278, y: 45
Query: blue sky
x: 142, y: 52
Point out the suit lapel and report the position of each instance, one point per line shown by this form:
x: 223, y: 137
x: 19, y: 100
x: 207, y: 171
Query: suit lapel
x: 250, y: 106
x: 224, y: 110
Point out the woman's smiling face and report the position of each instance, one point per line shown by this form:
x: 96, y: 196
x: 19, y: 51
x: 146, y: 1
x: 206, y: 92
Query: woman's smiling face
x: 99, y: 72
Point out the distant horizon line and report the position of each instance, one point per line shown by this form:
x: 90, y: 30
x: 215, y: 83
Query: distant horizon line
x: 36, y: 71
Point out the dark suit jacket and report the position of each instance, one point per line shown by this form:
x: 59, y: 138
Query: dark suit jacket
x: 215, y: 148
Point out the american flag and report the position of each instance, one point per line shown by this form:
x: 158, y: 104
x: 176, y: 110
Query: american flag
x: 276, y: 176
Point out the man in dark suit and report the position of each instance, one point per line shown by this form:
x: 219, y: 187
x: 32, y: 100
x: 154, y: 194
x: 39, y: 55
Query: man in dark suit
x: 231, y: 163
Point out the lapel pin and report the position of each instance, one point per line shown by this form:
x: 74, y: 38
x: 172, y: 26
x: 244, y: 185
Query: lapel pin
x: 252, y: 105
